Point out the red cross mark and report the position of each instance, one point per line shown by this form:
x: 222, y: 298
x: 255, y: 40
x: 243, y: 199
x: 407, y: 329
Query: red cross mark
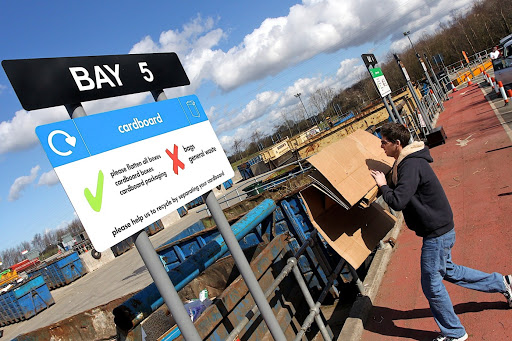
x: 175, y: 161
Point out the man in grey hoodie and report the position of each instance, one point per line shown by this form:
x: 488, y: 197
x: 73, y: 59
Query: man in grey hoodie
x: 416, y: 191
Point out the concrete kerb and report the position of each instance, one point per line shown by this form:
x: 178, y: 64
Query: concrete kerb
x: 354, y: 325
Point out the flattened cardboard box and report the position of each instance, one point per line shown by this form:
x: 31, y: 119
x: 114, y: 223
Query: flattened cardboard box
x: 344, y: 170
x: 346, y: 165
x: 352, y: 233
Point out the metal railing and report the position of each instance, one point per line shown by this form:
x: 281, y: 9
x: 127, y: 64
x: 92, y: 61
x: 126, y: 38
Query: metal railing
x: 83, y: 246
x: 314, y: 306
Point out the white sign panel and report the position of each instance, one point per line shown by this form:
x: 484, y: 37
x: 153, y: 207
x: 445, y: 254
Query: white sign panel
x: 125, y: 169
x: 380, y: 82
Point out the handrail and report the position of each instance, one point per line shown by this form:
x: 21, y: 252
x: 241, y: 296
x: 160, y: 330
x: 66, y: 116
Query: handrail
x: 141, y: 305
x: 292, y: 267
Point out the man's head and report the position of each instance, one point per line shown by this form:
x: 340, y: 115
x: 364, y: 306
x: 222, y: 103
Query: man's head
x: 394, y: 138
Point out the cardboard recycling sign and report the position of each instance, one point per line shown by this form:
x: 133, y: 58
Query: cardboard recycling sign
x: 125, y: 169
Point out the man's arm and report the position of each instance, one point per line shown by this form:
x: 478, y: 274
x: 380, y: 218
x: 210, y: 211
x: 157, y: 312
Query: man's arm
x: 408, y: 180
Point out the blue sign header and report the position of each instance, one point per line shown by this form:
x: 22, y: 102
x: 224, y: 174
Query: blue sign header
x: 72, y: 140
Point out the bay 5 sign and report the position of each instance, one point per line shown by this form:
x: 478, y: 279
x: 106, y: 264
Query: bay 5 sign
x: 123, y: 170
x: 47, y: 82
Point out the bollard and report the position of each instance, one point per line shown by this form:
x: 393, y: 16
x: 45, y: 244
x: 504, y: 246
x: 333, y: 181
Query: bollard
x: 492, y: 82
x: 435, y: 99
x: 503, y: 94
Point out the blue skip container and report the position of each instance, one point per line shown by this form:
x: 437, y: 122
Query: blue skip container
x: 24, y: 300
x: 61, y: 271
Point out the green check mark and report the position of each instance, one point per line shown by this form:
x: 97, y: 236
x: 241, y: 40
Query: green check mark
x: 95, y: 201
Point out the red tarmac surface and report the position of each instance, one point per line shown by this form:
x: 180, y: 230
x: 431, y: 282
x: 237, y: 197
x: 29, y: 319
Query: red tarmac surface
x: 473, y: 176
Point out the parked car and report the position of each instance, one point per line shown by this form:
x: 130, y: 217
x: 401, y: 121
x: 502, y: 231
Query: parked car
x: 503, y: 65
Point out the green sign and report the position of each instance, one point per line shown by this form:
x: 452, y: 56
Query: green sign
x: 380, y: 81
x: 377, y: 72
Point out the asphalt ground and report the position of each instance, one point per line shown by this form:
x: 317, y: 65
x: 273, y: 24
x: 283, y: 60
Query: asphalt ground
x: 474, y: 166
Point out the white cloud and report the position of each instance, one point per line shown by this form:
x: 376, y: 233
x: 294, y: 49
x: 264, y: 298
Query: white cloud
x: 22, y: 182
x: 2, y: 88
x: 19, y: 132
x: 349, y: 71
x: 252, y: 111
x: 49, y: 179
x: 193, y: 45
x: 309, y: 29
x: 114, y: 103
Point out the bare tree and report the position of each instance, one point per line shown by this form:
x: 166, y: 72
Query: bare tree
x: 238, y: 146
x: 75, y: 227
x: 24, y: 245
x: 38, y: 242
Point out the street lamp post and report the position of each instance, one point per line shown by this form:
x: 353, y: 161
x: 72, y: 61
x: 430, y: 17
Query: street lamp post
x: 305, y: 111
x: 407, y: 33
x: 432, y: 87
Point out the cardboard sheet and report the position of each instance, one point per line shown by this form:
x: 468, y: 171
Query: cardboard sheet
x: 346, y: 164
x: 352, y: 233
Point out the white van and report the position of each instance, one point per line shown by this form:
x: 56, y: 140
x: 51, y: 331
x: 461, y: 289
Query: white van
x: 503, y: 66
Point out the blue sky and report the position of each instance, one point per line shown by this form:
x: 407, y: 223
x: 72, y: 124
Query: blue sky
x: 245, y: 60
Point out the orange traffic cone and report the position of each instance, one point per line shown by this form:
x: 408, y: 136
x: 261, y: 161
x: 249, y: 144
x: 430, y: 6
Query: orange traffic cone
x: 454, y: 89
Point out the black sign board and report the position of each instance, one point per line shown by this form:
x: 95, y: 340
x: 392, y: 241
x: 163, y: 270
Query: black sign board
x: 48, y: 82
x: 369, y: 60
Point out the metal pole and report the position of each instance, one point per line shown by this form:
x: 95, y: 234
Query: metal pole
x: 358, y: 281
x: 243, y: 266
x: 389, y: 110
x: 436, y: 80
x: 427, y: 75
x: 75, y: 110
x: 314, y: 308
x: 394, y: 109
x: 165, y: 286
x: 305, y: 111
x: 254, y: 312
x: 419, y: 105
x: 155, y: 267
x: 421, y: 108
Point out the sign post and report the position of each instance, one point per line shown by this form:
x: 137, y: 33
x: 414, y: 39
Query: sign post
x: 426, y: 127
x: 429, y: 80
x: 442, y: 95
x: 127, y: 154
x: 382, y: 86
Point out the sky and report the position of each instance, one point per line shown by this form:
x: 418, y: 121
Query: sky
x: 245, y: 61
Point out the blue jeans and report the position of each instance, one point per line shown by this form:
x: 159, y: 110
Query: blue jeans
x: 436, y: 265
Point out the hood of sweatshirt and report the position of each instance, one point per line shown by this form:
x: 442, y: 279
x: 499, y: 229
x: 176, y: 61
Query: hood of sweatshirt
x: 414, y: 150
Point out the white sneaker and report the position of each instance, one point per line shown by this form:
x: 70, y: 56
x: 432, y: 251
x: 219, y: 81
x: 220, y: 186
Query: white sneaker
x: 447, y: 338
x: 507, y: 280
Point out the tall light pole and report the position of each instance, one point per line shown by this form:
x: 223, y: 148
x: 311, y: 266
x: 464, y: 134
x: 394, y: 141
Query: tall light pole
x: 407, y: 33
x: 436, y: 94
x: 305, y: 111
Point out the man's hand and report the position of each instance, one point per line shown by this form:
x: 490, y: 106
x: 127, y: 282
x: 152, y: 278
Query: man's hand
x: 379, y: 177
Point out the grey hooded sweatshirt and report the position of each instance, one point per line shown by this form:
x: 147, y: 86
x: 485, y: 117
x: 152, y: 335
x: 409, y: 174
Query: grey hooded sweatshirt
x: 417, y: 192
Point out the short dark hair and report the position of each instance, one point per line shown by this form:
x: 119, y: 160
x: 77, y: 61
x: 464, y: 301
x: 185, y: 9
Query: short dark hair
x: 396, y: 132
